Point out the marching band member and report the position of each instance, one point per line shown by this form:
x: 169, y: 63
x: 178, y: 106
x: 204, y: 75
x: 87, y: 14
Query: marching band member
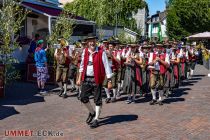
x: 130, y: 74
x: 114, y: 63
x: 93, y: 69
x: 158, y: 64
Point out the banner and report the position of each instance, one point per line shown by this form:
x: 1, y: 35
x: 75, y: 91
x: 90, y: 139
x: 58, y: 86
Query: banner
x: 2, y: 81
x: 160, y: 33
x: 32, y: 74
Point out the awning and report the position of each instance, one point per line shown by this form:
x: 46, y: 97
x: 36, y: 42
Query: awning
x: 204, y: 35
x: 52, y: 12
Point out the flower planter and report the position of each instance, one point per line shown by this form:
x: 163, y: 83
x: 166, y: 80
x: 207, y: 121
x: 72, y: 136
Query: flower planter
x: 2, y: 81
x: 32, y: 74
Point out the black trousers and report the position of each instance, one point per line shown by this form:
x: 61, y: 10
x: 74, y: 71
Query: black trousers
x: 89, y: 88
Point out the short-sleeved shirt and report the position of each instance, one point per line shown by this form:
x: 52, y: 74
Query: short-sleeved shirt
x: 40, y: 58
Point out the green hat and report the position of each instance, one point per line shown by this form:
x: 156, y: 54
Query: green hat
x: 40, y: 42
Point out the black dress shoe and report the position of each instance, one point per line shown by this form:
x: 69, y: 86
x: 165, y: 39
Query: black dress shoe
x: 38, y: 90
x: 160, y: 102
x: 61, y: 93
x: 152, y: 102
x: 90, y: 118
x: 78, y: 97
x: 94, y: 124
x: 72, y: 89
x: 64, y: 96
x: 107, y: 100
x: 113, y: 100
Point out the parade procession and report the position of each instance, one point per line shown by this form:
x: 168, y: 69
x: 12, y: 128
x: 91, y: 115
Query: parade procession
x: 110, y: 69
x: 105, y: 69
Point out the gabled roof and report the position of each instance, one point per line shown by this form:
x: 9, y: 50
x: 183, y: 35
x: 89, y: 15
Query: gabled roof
x: 42, y: 9
x: 48, y: 11
x: 161, y: 15
x: 54, y: 12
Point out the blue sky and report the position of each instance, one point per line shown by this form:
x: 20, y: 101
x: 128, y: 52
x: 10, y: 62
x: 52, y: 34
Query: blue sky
x: 155, y: 5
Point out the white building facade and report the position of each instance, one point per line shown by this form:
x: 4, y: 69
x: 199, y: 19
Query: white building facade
x: 157, y: 26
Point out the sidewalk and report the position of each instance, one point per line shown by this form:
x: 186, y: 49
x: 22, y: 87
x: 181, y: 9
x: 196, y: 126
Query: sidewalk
x: 184, y: 116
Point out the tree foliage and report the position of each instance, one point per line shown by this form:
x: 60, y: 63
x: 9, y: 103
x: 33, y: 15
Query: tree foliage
x: 63, y: 28
x: 11, y: 17
x: 188, y: 17
x: 107, y: 12
x: 125, y: 39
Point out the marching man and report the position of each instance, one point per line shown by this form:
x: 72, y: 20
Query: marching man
x: 114, y: 64
x: 158, y: 64
x: 93, y: 69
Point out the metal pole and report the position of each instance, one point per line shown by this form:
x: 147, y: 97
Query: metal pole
x: 49, y: 24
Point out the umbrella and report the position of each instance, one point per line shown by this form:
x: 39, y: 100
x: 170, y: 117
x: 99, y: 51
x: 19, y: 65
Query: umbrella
x: 204, y: 35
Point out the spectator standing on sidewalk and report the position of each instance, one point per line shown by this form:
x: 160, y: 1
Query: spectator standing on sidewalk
x: 41, y: 66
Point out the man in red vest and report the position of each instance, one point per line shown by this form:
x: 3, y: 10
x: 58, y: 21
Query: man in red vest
x: 192, y: 58
x: 114, y: 63
x: 105, y: 44
x: 158, y: 64
x: 93, y: 69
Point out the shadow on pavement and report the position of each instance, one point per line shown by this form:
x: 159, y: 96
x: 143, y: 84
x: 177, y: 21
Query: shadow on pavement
x: 145, y: 99
x: 118, y: 119
x: 172, y: 100
x: 195, y: 78
x: 21, y: 94
x: 180, y: 91
x: 18, y: 93
x: 7, y: 111
x: 199, y: 75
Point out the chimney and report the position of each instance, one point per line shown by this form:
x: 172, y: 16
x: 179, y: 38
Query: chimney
x: 158, y: 12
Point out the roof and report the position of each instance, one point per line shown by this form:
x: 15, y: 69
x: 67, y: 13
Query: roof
x: 204, y: 35
x: 161, y: 15
x: 130, y: 31
x: 48, y: 11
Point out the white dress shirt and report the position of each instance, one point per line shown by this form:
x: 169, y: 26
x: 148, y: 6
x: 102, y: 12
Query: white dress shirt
x: 157, y: 64
x: 90, y: 71
x: 141, y: 54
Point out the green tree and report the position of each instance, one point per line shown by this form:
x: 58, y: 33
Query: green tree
x: 63, y: 28
x: 188, y: 17
x: 107, y: 12
x: 11, y: 17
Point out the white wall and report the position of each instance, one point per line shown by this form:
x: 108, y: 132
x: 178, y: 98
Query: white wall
x: 140, y: 18
x: 42, y: 22
x: 65, y: 1
x: 149, y: 31
x: 163, y: 28
x: 155, y: 29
